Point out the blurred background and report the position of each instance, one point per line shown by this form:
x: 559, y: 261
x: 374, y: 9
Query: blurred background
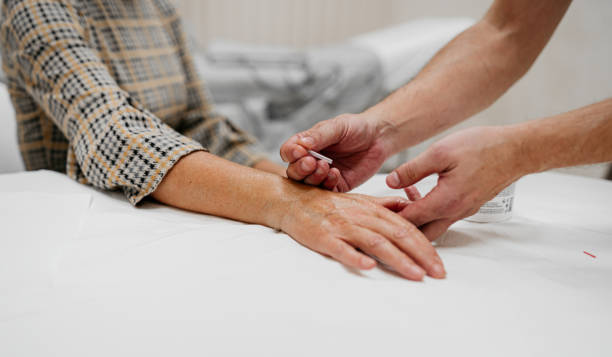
x: 574, y: 69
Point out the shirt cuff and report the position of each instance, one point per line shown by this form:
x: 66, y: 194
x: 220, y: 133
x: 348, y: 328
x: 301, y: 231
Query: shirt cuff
x: 136, y: 194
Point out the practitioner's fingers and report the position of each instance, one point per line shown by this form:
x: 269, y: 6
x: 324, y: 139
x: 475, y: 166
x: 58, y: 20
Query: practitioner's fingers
x: 435, y: 229
x: 395, y: 204
x: 302, y: 168
x: 332, y: 178
x: 319, y: 175
x: 412, y: 193
x: 292, y: 151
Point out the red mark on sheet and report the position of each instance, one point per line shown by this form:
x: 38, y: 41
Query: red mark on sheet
x: 589, y: 254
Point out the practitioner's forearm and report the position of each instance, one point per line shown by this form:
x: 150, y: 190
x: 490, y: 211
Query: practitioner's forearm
x: 582, y: 136
x: 205, y: 183
x: 471, y: 72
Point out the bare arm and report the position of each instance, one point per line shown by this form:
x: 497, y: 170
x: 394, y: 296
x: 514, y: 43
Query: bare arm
x: 202, y: 182
x: 271, y: 167
x: 471, y: 72
x: 465, y: 77
x: 582, y: 136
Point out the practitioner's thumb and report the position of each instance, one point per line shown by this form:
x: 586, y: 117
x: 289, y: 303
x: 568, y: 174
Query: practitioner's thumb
x: 323, y: 135
x: 413, y: 171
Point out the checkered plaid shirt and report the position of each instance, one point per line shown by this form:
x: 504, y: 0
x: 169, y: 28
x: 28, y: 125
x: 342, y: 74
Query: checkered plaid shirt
x: 106, y: 91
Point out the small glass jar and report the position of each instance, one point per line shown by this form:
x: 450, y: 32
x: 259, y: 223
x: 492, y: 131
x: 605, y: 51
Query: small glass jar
x: 498, y: 209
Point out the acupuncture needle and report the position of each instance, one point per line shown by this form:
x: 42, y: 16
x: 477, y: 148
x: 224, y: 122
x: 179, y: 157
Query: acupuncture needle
x: 320, y: 157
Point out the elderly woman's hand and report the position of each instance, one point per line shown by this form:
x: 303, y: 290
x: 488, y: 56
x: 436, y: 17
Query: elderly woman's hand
x: 349, y: 227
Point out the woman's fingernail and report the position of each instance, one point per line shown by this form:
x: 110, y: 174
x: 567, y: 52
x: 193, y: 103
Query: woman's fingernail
x: 367, y: 262
x: 393, y: 179
x: 438, y: 270
x: 415, y: 271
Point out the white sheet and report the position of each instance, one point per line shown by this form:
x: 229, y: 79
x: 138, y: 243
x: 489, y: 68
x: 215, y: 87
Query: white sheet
x: 156, y: 281
x: 36, y: 228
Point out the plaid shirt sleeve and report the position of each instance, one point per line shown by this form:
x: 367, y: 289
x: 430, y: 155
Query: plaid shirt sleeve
x: 115, y: 142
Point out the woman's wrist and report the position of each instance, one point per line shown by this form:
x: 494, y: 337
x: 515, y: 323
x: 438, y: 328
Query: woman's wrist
x: 285, y: 198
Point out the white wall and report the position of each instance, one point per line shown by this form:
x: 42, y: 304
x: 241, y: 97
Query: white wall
x: 287, y: 22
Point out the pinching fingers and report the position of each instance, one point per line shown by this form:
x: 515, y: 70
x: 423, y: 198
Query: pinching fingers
x: 302, y: 168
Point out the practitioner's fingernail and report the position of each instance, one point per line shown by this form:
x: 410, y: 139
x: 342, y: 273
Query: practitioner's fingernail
x: 297, y: 153
x: 331, y: 176
x: 308, y: 141
x: 305, y: 165
x: 393, y: 179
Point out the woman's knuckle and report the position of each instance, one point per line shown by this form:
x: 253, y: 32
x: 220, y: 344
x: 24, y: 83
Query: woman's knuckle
x: 400, y: 234
x: 337, y: 250
x: 375, y: 242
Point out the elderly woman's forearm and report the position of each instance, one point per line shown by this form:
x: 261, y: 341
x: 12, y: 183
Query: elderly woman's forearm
x: 202, y: 182
x: 271, y: 167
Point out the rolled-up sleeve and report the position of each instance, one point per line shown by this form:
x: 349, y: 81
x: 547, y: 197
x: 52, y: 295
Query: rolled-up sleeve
x: 116, y: 143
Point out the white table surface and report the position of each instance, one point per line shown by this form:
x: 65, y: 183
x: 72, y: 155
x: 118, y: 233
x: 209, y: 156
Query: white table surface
x: 83, y: 273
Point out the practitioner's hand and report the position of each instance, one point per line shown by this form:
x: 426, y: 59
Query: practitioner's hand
x: 337, y: 225
x: 354, y: 143
x: 473, y: 166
